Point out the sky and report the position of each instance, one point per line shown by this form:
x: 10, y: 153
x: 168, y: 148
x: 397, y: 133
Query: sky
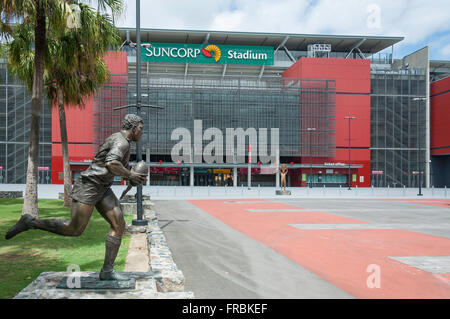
x: 420, y: 22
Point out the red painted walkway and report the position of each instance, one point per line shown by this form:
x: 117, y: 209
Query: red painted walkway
x: 341, y: 257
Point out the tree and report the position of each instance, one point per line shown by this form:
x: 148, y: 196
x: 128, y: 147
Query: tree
x: 42, y: 14
x: 39, y: 16
x: 78, y: 70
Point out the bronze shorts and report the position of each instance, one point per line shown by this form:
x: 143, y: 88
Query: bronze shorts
x: 87, y: 192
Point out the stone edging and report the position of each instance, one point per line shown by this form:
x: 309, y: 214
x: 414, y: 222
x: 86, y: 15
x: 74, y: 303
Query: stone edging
x: 168, y: 277
x: 11, y: 194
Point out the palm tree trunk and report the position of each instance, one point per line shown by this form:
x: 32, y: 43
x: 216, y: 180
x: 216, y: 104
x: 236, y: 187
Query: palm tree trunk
x: 65, y: 149
x: 30, y: 204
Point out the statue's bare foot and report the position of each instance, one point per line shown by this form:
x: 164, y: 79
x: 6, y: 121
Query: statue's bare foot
x: 112, y: 275
x: 22, y: 225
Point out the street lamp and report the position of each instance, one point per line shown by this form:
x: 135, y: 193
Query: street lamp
x: 310, y: 130
x: 349, y: 118
x: 419, y: 145
x: 139, y: 221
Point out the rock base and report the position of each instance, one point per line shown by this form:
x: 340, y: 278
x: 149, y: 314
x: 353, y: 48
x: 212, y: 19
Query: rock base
x: 45, y: 287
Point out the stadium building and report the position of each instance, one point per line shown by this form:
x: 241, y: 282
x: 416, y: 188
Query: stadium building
x: 345, y: 112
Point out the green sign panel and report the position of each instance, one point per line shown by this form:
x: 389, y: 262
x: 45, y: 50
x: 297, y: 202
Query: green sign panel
x: 207, y: 53
x: 353, y: 177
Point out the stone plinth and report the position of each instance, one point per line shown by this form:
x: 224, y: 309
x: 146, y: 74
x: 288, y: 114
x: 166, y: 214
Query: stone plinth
x: 44, y: 287
x: 280, y: 192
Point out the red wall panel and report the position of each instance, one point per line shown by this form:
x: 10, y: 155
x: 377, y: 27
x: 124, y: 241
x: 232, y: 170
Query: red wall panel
x: 357, y: 106
x: 352, y: 76
x: 352, y: 99
x: 80, y: 123
x: 440, y: 86
x: 440, y: 117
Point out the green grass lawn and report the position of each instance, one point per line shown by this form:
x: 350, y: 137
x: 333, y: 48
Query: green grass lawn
x: 30, y: 253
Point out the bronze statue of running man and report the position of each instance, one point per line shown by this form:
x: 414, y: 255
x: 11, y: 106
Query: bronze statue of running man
x: 92, y: 189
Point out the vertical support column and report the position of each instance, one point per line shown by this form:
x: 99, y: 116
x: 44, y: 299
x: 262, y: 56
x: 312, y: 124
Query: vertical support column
x: 148, y: 161
x: 427, y: 125
x: 191, y: 180
x: 249, y: 174
x: 234, y: 169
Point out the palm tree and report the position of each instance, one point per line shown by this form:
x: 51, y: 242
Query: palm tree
x: 78, y: 71
x: 75, y: 69
x: 40, y: 16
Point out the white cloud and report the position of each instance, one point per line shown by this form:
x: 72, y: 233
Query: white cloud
x: 416, y: 20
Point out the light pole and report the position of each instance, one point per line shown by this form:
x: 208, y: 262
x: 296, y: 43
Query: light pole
x: 419, y: 145
x: 310, y: 130
x: 349, y: 118
x: 139, y: 221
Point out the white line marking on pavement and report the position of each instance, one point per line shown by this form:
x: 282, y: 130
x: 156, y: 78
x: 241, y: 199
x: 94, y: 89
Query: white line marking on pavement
x: 432, y: 264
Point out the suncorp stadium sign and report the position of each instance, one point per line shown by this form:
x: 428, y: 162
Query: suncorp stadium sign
x: 207, y: 53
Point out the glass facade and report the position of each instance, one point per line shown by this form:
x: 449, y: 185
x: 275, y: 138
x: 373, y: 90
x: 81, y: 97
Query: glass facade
x: 291, y: 105
x: 15, y: 117
x: 398, y: 113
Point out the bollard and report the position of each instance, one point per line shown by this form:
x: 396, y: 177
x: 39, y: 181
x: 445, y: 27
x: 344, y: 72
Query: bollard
x: 372, y: 190
x: 340, y: 189
x: 387, y: 191
x: 323, y: 190
x: 242, y: 189
x: 208, y: 191
x: 259, y: 191
x: 432, y: 191
x: 445, y: 191
x: 404, y: 190
x: 356, y: 191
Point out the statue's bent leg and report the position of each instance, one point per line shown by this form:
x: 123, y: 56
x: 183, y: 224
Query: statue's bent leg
x: 81, y: 213
x: 109, y: 208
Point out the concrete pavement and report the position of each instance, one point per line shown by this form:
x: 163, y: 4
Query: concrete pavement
x: 310, y: 248
x: 316, y: 243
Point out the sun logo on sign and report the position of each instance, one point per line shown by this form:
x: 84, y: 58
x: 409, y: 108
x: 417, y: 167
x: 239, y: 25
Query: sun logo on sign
x: 212, y: 49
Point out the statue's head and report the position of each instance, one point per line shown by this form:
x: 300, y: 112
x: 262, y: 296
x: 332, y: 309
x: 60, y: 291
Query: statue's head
x: 134, y: 125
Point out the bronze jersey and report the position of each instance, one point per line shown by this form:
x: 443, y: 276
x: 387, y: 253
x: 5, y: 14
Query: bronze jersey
x: 115, y: 147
